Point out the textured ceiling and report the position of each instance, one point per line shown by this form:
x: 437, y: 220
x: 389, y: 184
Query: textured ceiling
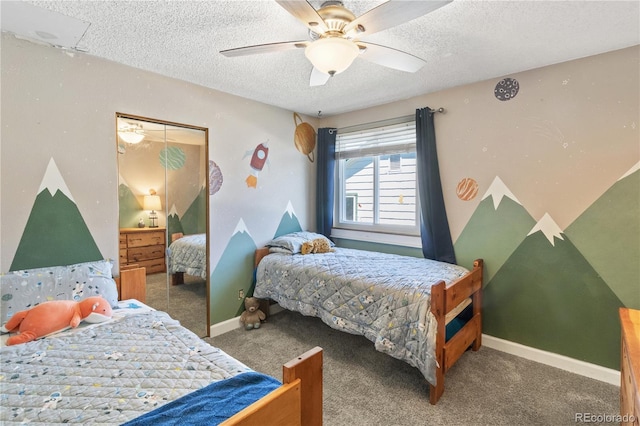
x: 462, y: 42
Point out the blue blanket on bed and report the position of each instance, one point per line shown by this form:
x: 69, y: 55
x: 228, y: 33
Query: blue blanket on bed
x: 211, y: 404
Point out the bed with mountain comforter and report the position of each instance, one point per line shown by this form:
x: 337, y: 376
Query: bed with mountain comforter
x: 385, y: 297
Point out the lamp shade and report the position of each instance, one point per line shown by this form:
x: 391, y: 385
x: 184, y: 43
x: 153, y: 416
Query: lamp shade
x: 152, y: 202
x: 331, y: 55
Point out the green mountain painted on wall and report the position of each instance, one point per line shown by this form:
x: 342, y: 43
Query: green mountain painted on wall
x: 55, y: 233
x: 233, y: 272
x: 174, y: 225
x: 289, y: 222
x: 194, y: 220
x: 549, y: 297
x: 130, y: 210
x: 607, y: 236
x: 497, y: 227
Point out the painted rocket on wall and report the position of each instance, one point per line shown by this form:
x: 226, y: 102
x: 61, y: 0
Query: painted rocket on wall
x: 258, y: 160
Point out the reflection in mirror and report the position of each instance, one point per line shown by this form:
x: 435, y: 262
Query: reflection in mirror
x: 163, y: 215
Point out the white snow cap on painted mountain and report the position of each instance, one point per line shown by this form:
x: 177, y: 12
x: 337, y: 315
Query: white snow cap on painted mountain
x: 290, y: 209
x: 549, y: 228
x: 498, y: 190
x: 241, y: 227
x: 54, y: 182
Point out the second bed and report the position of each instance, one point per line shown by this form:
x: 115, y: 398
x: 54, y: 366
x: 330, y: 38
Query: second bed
x: 403, y: 304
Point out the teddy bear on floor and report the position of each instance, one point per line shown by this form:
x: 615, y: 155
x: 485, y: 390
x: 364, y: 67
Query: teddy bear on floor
x: 318, y: 245
x: 53, y: 316
x: 252, y: 315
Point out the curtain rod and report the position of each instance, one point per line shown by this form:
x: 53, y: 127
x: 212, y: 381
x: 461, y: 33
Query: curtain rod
x: 379, y: 123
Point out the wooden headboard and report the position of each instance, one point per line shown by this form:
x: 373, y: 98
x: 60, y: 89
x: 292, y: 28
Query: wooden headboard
x: 260, y: 253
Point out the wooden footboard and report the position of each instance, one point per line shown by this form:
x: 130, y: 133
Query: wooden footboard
x: 445, y: 300
x: 297, y: 402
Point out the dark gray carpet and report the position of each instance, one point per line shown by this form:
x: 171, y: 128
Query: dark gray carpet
x: 365, y: 387
x: 186, y: 302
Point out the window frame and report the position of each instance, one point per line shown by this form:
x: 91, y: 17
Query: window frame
x: 375, y: 232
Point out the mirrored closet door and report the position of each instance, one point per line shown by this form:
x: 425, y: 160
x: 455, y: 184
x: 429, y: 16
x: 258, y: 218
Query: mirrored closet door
x: 163, y: 214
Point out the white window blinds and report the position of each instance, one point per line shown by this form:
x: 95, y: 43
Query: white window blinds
x: 384, y: 140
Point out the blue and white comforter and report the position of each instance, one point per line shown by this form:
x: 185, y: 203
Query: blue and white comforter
x: 189, y: 255
x: 384, y: 297
x: 108, y: 373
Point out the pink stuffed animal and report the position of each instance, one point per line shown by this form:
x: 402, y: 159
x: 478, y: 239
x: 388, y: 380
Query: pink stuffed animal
x: 54, y: 316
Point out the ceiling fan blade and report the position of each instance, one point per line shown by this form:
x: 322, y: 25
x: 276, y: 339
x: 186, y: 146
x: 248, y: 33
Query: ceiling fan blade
x: 306, y: 14
x: 390, y: 14
x: 318, y: 78
x: 390, y: 58
x: 265, y: 48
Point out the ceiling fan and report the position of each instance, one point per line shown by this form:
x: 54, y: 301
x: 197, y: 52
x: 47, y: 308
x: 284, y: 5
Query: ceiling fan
x: 133, y: 132
x: 335, y: 34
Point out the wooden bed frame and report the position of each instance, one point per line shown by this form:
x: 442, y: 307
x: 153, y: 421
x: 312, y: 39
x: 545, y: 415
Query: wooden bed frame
x: 446, y: 303
x: 297, y: 402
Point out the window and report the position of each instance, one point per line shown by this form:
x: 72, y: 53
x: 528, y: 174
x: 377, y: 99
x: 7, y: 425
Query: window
x: 376, y: 185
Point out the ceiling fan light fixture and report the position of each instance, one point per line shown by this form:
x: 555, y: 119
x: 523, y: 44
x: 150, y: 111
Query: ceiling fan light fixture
x: 331, y: 55
x: 131, y: 136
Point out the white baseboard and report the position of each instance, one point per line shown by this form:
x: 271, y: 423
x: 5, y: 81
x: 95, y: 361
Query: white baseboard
x: 233, y: 323
x: 562, y: 362
x: 224, y: 326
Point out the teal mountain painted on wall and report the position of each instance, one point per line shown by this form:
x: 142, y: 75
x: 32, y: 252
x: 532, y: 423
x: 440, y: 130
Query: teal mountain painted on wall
x: 233, y: 272
x: 497, y: 227
x: 55, y: 233
x: 607, y: 236
x: 289, y: 222
x: 549, y: 297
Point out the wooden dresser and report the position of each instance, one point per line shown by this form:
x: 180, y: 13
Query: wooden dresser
x: 143, y: 247
x: 630, y: 366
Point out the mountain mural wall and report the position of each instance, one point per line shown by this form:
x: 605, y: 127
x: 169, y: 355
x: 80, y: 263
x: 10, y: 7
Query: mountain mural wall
x: 607, y: 236
x: 496, y: 228
x: 558, y: 290
x: 234, y: 272
x: 129, y: 208
x: 288, y: 223
x: 194, y: 219
x: 235, y: 269
x: 548, y: 296
x: 55, y: 233
x: 174, y: 226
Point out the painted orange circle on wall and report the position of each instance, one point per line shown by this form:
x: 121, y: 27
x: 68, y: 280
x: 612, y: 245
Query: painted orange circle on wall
x: 467, y: 189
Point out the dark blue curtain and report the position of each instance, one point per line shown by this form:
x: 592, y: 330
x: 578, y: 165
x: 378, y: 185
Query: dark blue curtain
x: 326, y: 164
x: 434, y: 226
